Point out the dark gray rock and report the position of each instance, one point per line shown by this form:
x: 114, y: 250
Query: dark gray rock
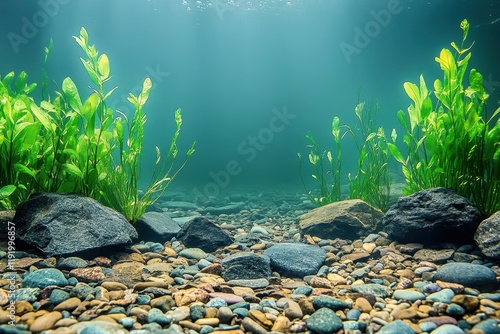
x: 245, y: 265
x: 205, y: 234
x: 487, y: 237
x: 350, y: 219
x: 432, y: 216
x: 468, y: 274
x: 324, y: 321
x: 156, y: 227
x: 69, y: 224
x: 296, y: 260
x: 71, y: 263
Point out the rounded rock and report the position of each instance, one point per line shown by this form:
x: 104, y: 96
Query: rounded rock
x: 42, y: 278
x: 324, y: 321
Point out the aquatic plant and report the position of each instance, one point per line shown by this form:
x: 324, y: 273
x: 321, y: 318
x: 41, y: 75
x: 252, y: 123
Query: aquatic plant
x: 450, y: 138
x: 371, y: 182
x: 64, y: 144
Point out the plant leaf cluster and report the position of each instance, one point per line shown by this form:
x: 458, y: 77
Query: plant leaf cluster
x: 371, y: 182
x: 67, y: 144
x: 451, y: 140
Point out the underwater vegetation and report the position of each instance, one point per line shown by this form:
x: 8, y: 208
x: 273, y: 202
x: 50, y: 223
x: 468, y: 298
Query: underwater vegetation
x: 450, y: 138
x: 371, y: 182
x: 64, y: 144
x: 450, y: 141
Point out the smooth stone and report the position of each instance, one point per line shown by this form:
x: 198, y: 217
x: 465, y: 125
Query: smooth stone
x: 46, y: 321
x: 216, y: 303
x: 468, y: 274
x: 409, y: 295
x: 58, y: 296
x: 68, y: 305
x: 353, y: 314
x: 427, y: 326
x: 443, y: 296
x: 257, y: 283
x: 455, y: 310
x: 127, y: 322
x: 157, y: 315
x: 99, y: 327
x: 332, y: 303
x: 259, y: 230
x: 372, y: 289
x: 448, y: 329
x: 252, y: 326
x: 296, y: 260
x: 193, y: 253
x: 71, y: 263
x: 489, y: 326
x: 42, y: 278
x: 305, y: 290
x: 197, y: 312
x: 324, y: 321
x: 396, y: 327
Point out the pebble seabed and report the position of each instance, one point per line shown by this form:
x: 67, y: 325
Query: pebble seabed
x: 370, y: 285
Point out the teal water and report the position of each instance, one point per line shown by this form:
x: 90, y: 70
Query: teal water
x: 252, y: 77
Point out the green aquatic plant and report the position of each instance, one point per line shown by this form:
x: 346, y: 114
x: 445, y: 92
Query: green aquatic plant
x: 18, y: 136
x: 121, y: 190
x: 328, y: 179
x: 66, y: 144
x: 371, y: 182
x: 451, y: 139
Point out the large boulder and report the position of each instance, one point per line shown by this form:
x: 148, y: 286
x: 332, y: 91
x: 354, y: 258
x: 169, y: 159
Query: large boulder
x: 432, y: 216
x: 349, y: 219
x: 156, y: 227
x: 487, y: 236
x: 205, y: 234
x: 69, y: 224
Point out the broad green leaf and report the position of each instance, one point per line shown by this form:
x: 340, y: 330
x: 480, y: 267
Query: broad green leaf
x: 7, y: 190
x: 336, y: 128
x: 146, y: 87
x: 23, y: 169
x: 396, y: 153
x: 91, y: 72
x: 103, y: 66
x: 42, y: 116
x: 71, y: 94
x: 72, y: 169
x: 464, y: 25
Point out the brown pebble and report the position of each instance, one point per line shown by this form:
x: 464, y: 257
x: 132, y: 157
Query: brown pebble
x: 293, y: 310
x: 164, y: 303
x: 281, y: 324
x: 320, y: 282
x: 23, y: 307
x: 260, y: 318
x: 45, y: 322
x: 190, y: 325
x: 207, y: 321
x: 68, y: 305
x: 113, y: 286
x: 469, y: 303
x: 362, y: 305
x: 225, y: 315
x: 233, y: 331
x: 253, y: 327
x: 88, y: 275
x: 66, y: 322
x: 306, y: 306
x: 150, y: 284
x: 408, y: 313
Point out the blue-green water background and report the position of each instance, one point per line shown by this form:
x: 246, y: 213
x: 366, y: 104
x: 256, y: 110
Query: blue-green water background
x: 232, y: 66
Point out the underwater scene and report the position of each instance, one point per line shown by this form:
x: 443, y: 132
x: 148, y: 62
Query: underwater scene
x: 250, y: 166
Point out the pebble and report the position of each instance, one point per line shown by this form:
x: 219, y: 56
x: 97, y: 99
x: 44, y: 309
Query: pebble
x: 448, y: 329
x: 443, y: 296
x: 409, y: 295
x: 324, y: 321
